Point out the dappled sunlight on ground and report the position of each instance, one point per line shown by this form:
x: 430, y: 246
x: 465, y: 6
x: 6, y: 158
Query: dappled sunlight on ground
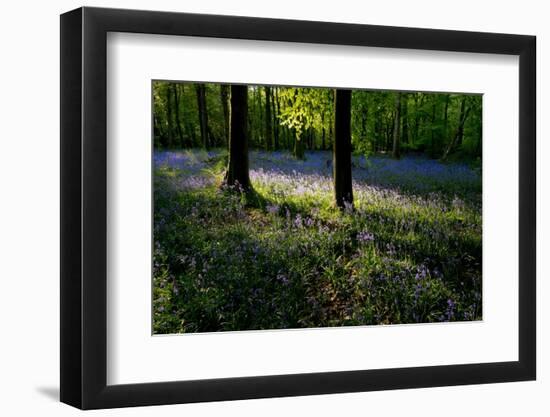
x: 410, y: 250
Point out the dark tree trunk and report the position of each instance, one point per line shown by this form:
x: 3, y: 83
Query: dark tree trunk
x: 446, y: 117
x: 175, y: 88
x: 396, y: 151
x: 377, y: 131
x: 405, y: 119
x: 224, y: 96
x: 459, y: 130
x: 343, y: 191
x: 268, y: 130
x: 275, y: 108
x: 169, y: 118
x: 432, y: 137
x: 188, y: 126
x: 158, y: 131
x: 259, y: 119
x: 389, y: 134
x: 323, y: 144
x: 417, y: 116
x: 330, y: 136
x: 299, y: 146
x: 463, y: 115
x: 479, y: 146
x: 203, y: 114
x: 237, y: 169
x: 363, y: 125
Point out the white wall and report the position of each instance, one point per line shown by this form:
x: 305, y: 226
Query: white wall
x: 29, y: 178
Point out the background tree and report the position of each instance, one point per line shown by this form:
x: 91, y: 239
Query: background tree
x: 224, y: 97
x: 405, y: 118
x: 459, y: 134
x: 396, y: 152
x: 202, y: 114
x: 268, y: 120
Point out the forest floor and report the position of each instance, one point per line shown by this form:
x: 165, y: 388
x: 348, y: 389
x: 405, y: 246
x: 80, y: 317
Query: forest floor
x: 409, y: 252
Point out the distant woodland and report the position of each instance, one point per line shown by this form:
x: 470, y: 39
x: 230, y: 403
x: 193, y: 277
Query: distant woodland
x: 441, y: 126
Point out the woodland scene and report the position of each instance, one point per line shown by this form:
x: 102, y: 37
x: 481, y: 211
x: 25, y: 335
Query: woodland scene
x: 280, y: 207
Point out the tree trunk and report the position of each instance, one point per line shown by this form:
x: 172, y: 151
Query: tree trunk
x: 187, y: 124
x: 275, y: 108
x: 432, y: 137
x: 446, y: 117
x: 237, y: 169
x: 299, y: 146
x: 460, y: 135
x: 479, y: 146
x: 459, y: 130
x: 405, y: 119
x: 396, y: 151
x: 343, y: 191
x: 175, y: 88
x: 203, y: 114
x: 389, y: 134
x: 377, y: 131
x: 268, y: 131
x: 363, y: 125
x: 169, y: 123
x: 258, y: 112
x: 157, y: 130
x: 330, y: 136
x: 323, y: 144
x: 224, y: 96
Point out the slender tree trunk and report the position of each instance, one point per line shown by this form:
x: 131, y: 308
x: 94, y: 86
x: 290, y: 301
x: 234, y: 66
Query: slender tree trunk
x: 268, y: 130
x: 187, y: 125
x: 416, y: 127
x: 169, y: 118
x: 330, y: 136
x: 459, y: 130
x: 237, y: 169
x: 389, y: 134
x: 224, y: 97
x: 405, y: 118
x: 258, y: 113
x: 203, y: 114
x: 463, y: 116
x: 432, y: 137
x: 177, y: 113
x: 275, y: 108
x: 446, y: 117
x: 377, y: 131
x: 363, y: 126
x: 343, y: 191
x: 323, y: 144
x: 479, y: 147
x: 158, y: 130
x: 396, y: 151
x: 418, y: 102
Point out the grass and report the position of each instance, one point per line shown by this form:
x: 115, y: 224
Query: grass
x: 410, y: 251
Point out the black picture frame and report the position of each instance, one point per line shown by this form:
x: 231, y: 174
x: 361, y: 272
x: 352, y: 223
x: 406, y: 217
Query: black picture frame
x: 84, y: 207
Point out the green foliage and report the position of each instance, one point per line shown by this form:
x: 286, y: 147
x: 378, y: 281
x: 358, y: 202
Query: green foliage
x: 303, y: 117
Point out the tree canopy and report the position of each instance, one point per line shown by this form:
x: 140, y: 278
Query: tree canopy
x: 440, y: 125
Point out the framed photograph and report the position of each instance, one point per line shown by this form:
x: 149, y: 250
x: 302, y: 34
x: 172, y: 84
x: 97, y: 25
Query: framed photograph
x: 256, y: 208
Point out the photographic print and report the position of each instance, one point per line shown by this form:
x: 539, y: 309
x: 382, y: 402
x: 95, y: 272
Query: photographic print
x: 284, y: 207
